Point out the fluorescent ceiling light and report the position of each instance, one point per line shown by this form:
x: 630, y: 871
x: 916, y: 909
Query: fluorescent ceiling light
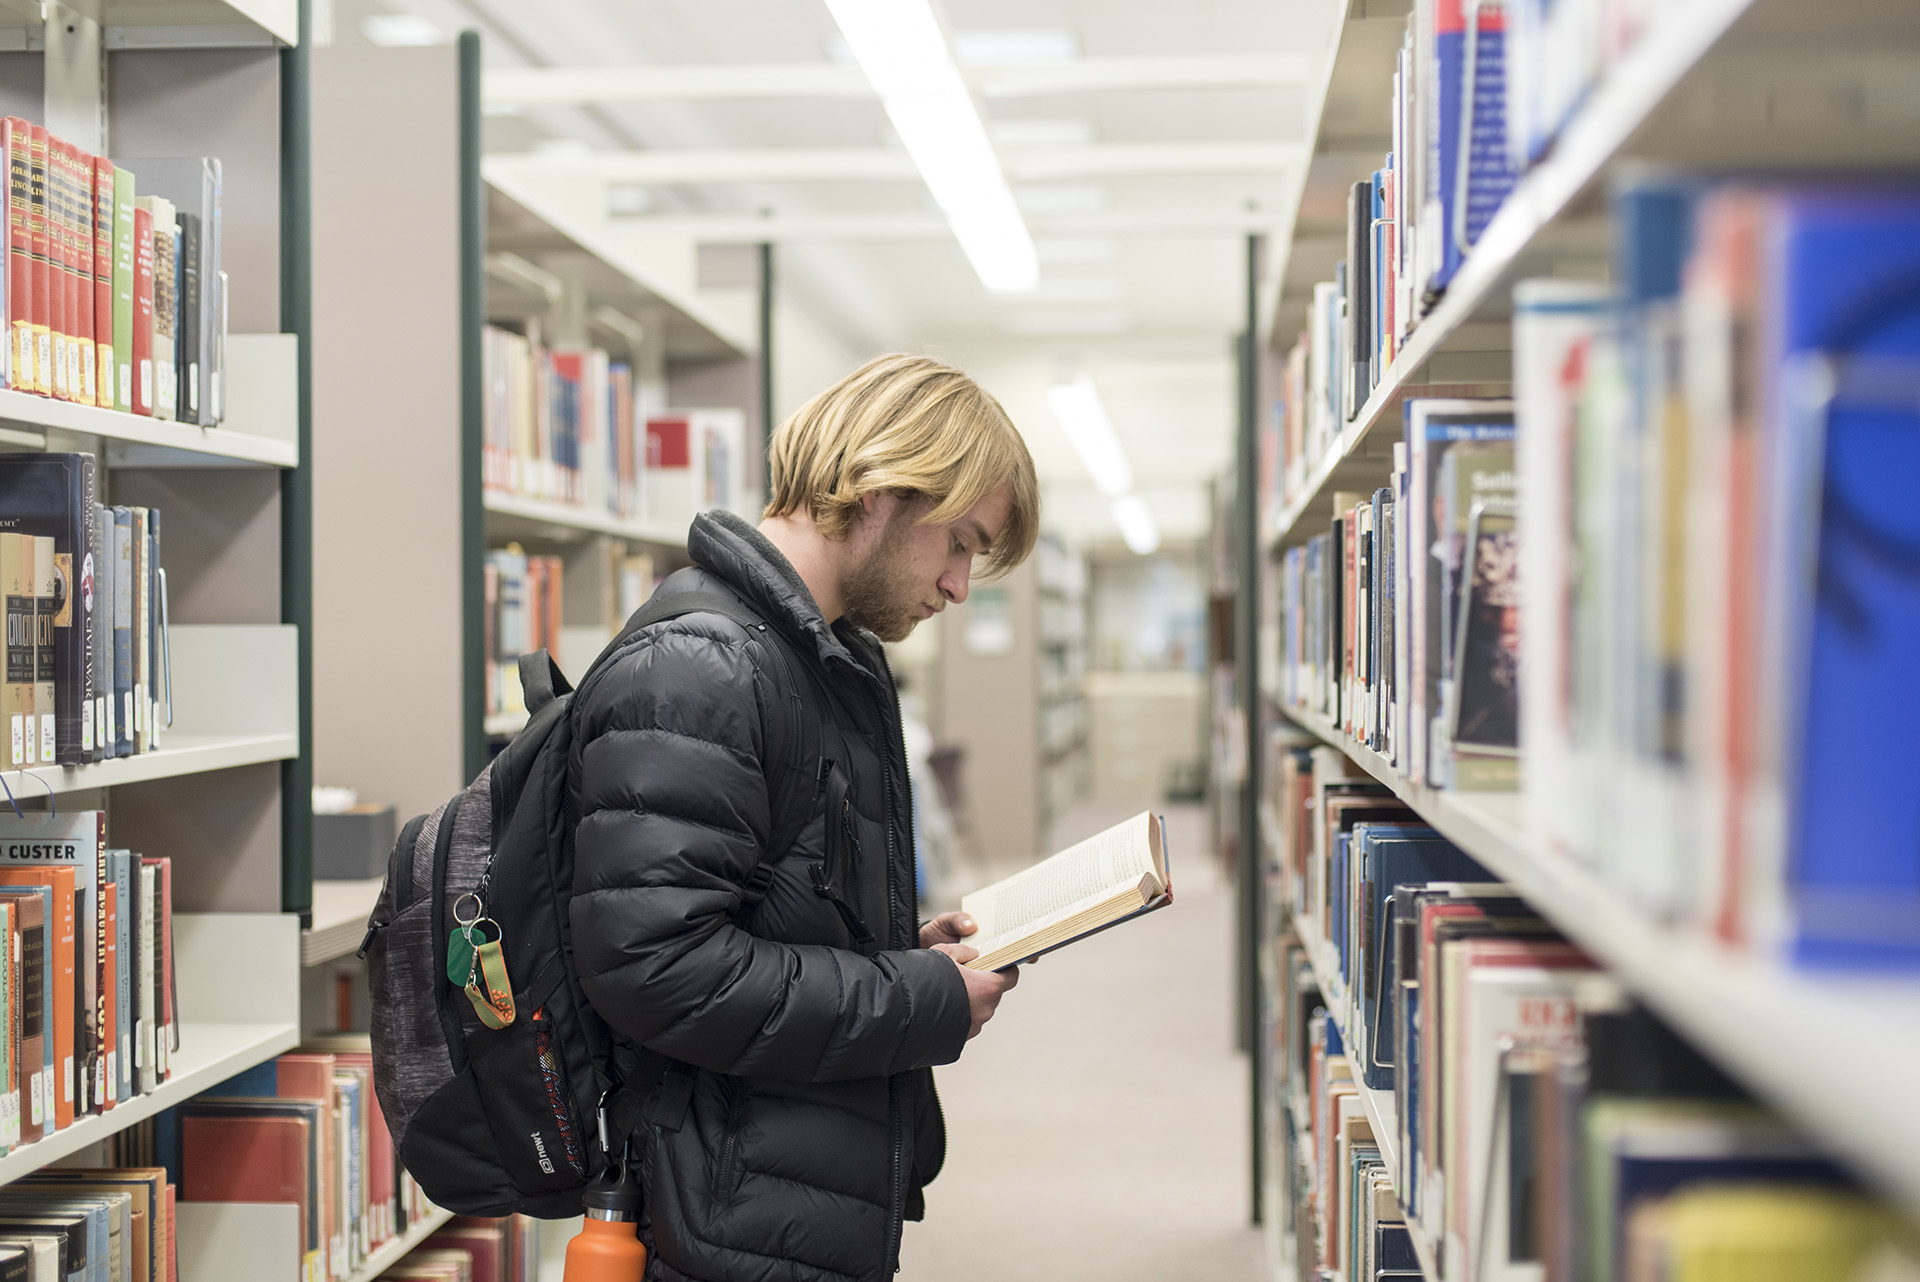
x: 1077, y: 406
x: 1136, y: 524
x: 900, y: 47
x: 1002, y: 48
x: 400, y: 30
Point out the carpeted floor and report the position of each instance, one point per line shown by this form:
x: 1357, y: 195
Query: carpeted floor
x: 1097, y: 1129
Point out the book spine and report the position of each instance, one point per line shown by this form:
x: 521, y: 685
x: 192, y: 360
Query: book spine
x: 123, y: 289
x: 189, y: 326
x: 20, y: 256
x: 142, y: 338
x: 42, y: 249
x: 41, y: 729
x: 70, y: 270
x: 85, y: 251
x: 156, y: 632
x: 104, y: 217
x: 15, y: 583
x: 123, y: 607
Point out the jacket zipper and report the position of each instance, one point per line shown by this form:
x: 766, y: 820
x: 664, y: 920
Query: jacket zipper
x: 896, y: 747
x: 726, y: 1181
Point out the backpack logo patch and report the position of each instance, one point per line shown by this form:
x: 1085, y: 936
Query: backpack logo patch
x: 540, y: 1151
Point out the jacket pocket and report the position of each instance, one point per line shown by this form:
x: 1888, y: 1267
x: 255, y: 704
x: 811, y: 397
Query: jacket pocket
x: 833, y: 875
x: 728, y: 1167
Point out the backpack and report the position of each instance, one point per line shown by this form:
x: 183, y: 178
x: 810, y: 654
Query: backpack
x: 515, y: 1118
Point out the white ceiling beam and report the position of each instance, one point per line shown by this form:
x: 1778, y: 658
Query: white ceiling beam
x: 721, y: 229
x: 576, y: 86
x: 811, y: 164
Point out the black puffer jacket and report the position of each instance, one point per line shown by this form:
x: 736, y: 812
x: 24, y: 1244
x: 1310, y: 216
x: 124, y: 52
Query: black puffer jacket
x: 801, y: 1123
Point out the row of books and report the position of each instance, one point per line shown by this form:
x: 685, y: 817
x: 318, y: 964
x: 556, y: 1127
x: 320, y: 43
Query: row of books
x: 112, y: 298
x: 97, y: 1224
x: 472, y: 1249
x: 91, y: 1013
x: 87, y: 665
x: 304, y: 1129
x: 1451, y: 1071
x: 1409, y: 226
x: 524, y: 608
x: 1400, y: 623
x: 1718, y: 550
x: 563, y: 426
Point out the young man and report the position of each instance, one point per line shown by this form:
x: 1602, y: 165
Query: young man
x: 795, y: 1123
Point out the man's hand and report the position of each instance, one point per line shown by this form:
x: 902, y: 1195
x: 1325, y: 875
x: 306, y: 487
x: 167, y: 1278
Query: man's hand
x: 984, y: 987
x: 947, y: 928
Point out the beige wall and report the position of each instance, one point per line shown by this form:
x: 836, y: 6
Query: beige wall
x: 386, y: 424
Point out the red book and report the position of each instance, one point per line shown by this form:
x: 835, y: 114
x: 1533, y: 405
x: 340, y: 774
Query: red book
x: 142, y: 354
x: 80, y: 313
x: 310, y: 1077
x: 19, y: 243
x: 65, y: 227
x: 103, y: 353
x: 245, y: 1159
x: 40, y: 237
x: 173, y: 1253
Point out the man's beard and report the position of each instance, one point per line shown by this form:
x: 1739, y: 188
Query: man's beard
x: 878, y: 594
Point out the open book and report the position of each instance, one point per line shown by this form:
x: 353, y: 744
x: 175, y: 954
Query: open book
x: 1102, y: 881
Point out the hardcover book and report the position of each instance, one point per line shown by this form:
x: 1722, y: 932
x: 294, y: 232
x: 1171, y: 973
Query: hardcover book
x: 53, y: 496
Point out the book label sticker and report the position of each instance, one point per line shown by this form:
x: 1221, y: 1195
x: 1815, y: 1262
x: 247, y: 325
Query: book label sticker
x: 19, y: 741
x: 46, y: 739
x: 139, y: 707
x: 110, y: 1077
x: 66, y: 1086
x: 33, y: 1086
x: 139, y: 1044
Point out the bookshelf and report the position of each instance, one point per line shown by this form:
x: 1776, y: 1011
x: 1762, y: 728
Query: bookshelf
x: 199, y: 77
x: 1692, y: 92
x: 511, y: 517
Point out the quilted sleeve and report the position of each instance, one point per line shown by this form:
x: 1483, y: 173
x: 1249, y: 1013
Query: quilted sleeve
x: 674, y: 813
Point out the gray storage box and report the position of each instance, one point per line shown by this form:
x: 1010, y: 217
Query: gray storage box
x: 354, y: 844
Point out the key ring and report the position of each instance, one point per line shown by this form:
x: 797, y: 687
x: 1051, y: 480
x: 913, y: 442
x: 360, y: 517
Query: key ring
x: 479, y: 910
x: 475, y: 924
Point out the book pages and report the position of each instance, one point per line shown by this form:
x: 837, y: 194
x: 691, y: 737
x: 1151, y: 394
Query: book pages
x: 1085, y: 886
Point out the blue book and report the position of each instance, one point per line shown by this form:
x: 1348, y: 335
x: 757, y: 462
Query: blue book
x: 1469, y: 172
x: 1840, y: 263
x: 1393, y: 862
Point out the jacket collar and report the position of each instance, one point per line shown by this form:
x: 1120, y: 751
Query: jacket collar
x: 728, y: 547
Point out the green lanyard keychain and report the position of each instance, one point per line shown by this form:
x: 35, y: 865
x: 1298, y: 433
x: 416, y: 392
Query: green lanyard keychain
x: 476, y: 962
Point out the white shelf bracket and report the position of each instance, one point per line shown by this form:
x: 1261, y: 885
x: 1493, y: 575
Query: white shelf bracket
x: 76, y: 73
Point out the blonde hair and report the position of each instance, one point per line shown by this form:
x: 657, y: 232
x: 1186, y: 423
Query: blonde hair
x: 906, y: 423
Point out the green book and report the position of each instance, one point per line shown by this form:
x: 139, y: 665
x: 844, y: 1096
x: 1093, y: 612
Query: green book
x: 123, y: 287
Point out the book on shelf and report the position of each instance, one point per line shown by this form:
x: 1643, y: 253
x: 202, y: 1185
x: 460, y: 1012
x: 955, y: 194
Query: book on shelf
x: 96, y: 1022
x: 1409, y: 601
x: 310, y: 1124
x: 695, y: 463
x: 1533, y: 1111
x: 82, y: 269
x: 1114, y: 876
x: 1711, y: 561
x: 560, y: 425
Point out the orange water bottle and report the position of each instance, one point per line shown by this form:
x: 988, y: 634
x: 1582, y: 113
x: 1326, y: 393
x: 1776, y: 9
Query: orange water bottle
x: 608, y: 1247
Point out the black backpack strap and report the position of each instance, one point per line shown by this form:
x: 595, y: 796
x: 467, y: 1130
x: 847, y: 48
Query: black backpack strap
x: 789, y: 767
x: 541, y: 680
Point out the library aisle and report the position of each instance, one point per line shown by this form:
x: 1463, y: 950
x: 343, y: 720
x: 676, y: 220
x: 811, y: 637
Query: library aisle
x: 1097, y: 1126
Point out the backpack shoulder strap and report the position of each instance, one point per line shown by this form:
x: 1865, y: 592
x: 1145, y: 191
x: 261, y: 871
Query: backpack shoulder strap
x: 790, y: 767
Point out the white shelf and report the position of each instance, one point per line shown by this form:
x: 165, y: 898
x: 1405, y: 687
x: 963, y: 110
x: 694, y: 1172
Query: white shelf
x: 390, y: 1252
x: 1768, y: 1024
x: 565, y: 521
x: 179, y: 754
x: 23, y: 410
x: 340, y: 912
